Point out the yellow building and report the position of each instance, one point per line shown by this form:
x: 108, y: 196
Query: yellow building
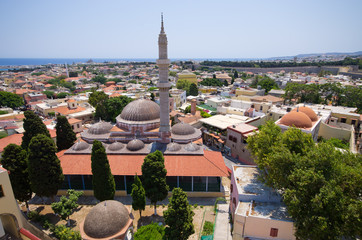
x: 9, y: 80
x: 188, y: 76
x: 12, y: 221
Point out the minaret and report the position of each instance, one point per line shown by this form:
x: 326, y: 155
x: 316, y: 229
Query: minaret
x: 163, y: 85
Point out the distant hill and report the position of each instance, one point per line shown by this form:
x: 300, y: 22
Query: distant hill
x: 329, y: 54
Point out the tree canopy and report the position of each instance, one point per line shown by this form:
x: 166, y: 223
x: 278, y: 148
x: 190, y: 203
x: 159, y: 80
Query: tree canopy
x: 11, y: 100
x: 154, y: 177
x: 179, y: 216
x: 138, y: 195
x: 113, y: 107
x: 15, y: 160
x: 45, y: 172
x: 265, y: 83
x: 194, y: 91
x: 104, y: 186
x: 65, y: 134
x: 320, y: 185
x: 151, y: 231
x: 65, y: 207
x: 33, y: 126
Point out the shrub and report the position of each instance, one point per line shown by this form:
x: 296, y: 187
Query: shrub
x: 150, y: 232
x: 195, y: 205
x: 208, y: 228
x: 64, y: 233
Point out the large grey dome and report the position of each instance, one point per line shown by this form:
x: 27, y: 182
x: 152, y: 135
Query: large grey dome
x: 100, y: 128
x: 115, y: 146
x: 106, y: 219
x: 135, y: 145
x: 141, y: 110
x: 79, y: 146
x: 182, y: 129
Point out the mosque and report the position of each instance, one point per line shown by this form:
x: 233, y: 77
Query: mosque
x: 144, y: 127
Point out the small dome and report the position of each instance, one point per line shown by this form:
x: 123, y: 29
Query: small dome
x: 140, y: 110
x: 107, y: 218
x: 308, y: 111
x: 182, y: 129
x: 100, y: 128
x: 298, y: 119
x: 135, y: 145
x: 115, y: 146
x: 173, y: 147
x: 192, y: 147
x: 79, y: 146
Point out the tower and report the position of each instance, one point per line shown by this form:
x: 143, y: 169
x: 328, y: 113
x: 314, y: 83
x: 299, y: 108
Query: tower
x: 163, y: 85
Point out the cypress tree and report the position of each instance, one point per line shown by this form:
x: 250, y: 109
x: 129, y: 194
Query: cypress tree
x: 103, y: 181
x: 138, y: 195
x: 178, y: 216
x: 15, y: 160
x: 193, y: 90
x: 33, y: 126
x: 65, y: 134
x: 154, y: 177
x: 45, y: 173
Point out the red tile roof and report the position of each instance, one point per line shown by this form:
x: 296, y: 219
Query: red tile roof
x: 64, y: 110
x: 210, y: 164
x: 15, y: 138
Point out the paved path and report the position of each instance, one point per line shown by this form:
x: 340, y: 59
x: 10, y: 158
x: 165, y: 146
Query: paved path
x: 222, y: 227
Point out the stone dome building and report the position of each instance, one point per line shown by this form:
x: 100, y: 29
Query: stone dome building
x: 184, y: 133
x: 135, y: 145
x: 107, y: 220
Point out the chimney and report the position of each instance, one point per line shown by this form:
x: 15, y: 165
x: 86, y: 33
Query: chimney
x: 193, y: 106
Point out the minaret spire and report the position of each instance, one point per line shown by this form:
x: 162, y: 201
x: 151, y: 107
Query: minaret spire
x: 162, y: 29
x: 163, y: 85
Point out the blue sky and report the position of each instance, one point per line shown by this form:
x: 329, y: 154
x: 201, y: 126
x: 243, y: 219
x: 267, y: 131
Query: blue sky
x: 195, y: 29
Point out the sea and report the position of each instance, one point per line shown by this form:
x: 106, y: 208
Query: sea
x: 13, y: 62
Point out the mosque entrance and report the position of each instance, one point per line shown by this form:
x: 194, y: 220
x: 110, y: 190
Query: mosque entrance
x: 9, y: 226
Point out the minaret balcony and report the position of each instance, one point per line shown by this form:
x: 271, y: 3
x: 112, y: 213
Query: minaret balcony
x: 163, y: 85
x: 163, y: 61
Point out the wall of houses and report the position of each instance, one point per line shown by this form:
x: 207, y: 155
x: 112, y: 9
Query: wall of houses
x: 237, y: 144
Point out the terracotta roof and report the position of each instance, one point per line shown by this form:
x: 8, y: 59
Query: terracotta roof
x: 74, y: 120
x: 52, y: 132
x: 15, y: 138
x: 297, y: 119
x: 308, y: 111
x: 209, y: 164
x: 64, y: 110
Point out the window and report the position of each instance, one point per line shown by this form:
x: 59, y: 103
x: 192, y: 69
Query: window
x: 353, y: 122
x: 230, y: 137
x: 1, y: 191
x: 77, y: 125
x: 234, y: 139
x: 231, y: 188
x: 274, y: 232
x: 343, y: 120
x: 73, y: 127
x: 261, y: 108
x: 234, y: 202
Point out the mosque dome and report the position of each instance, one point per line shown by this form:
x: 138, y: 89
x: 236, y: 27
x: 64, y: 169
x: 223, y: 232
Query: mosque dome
x: 135, y: 145
x: 182, y: 129
x: 308, y: 111
x: 298, y: 119
x: 173, y: 147
x: 192, y: 147
x: 79, y: 146
x: 100, y: 128
x: 140, y: 110
x: 115, y: 146
x: 106, y: 219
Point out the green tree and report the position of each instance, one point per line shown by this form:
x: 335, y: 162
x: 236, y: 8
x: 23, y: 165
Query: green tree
x: 33, y: 126
x: 178, y: 216
x: 151, y: 231
x: 45, y: 172
x: 65, y: 134
x: 103, y: 181
x: 100, y: 79
x: 15, y: 160
x: 62, y: 95
x: 65, y: 207
x: 113, y: 107
x: 152, y: 96
x: 97, y: 99
x: 154, y: 177
x: 193, y: 90
x: 236, y: 74
x: 49, y: 94
x: 138, y: 195
x: 11, y: 100
x: 321, y: 186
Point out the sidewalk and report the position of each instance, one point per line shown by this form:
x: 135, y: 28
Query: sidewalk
x: 222, y: 227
